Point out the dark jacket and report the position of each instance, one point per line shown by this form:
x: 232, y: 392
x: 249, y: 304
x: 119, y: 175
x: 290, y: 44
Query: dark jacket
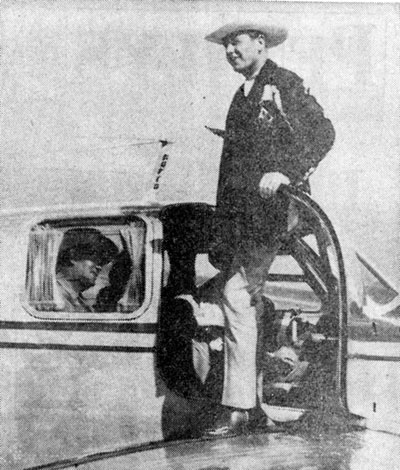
x: 261, y: 138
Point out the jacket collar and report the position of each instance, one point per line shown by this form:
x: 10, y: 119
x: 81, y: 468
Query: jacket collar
x: 264, y: 77
x: 267, y: 72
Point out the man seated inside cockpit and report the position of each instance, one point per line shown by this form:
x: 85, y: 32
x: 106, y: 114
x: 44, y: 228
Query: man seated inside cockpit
x: 83, y: 253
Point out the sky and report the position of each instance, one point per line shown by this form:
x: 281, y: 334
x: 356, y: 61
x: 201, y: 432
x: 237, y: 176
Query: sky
x: 84, y: 82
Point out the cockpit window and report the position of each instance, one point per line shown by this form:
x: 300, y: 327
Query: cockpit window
x: 85, y: 269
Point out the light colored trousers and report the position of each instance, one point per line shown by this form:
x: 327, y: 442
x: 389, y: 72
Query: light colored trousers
x: 243, y: 284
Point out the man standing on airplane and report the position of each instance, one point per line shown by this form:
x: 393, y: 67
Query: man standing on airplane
x: 275, y: 134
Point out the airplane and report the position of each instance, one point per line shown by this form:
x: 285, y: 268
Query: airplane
x: 79, y: 388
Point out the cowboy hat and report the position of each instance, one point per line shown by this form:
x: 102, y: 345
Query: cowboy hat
x: 274, y: 35
x: 86, y: 243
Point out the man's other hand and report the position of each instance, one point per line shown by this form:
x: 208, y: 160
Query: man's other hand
x: 271, y: 182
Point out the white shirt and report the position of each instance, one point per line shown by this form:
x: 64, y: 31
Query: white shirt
x: 248, y: 85
x: 74, y: 302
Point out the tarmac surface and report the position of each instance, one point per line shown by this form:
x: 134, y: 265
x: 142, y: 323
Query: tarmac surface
x: 355, y: 450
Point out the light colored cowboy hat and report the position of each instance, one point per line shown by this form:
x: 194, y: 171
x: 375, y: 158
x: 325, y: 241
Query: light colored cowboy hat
x: 274, y: 35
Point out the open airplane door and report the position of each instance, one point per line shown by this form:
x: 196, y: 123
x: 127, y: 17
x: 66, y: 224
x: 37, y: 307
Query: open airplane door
x: 304, y: 311
x: 373, y: 356
x: 308, y: 277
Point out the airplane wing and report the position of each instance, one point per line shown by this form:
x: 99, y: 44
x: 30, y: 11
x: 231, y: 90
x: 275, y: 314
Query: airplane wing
x: 381, y: 295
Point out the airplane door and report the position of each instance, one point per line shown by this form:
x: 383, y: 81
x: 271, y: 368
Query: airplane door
x: 318, y: 252
x: 373, y: 351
